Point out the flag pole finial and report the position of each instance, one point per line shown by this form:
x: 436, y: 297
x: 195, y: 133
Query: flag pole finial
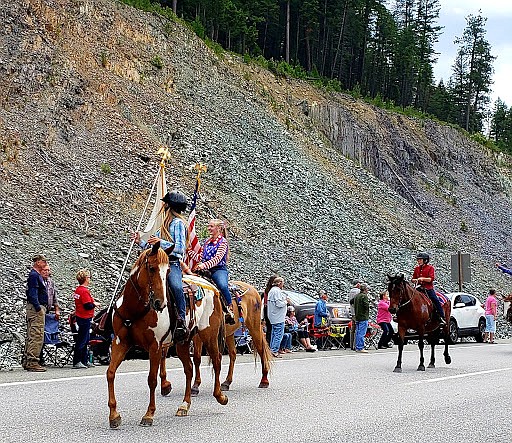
x: 166, y: 155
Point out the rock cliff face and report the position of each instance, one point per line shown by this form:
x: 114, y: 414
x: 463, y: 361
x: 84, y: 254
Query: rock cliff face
x: 317, y: 187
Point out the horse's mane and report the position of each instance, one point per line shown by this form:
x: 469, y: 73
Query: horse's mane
x: 161, y: 256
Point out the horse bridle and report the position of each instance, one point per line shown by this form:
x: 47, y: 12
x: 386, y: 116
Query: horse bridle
x: 401, y: 305
x: 147, y: 306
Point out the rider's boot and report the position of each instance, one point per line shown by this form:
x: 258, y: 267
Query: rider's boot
x: 181, y: 332
x: 230, y: 316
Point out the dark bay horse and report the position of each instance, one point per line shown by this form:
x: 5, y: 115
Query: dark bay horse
x: 414, y: 310
x: 251, y: 311
x: 141, y: 317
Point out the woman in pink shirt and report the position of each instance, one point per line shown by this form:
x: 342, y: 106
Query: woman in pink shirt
x: 491, y: 311
x: 384, y: 321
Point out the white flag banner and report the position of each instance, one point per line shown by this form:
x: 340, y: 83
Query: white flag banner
x: 156, y: 218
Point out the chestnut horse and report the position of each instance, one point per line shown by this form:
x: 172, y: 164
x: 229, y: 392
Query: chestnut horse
x: 414, y: 310
x: 143, y: 316
x: 251, y: 312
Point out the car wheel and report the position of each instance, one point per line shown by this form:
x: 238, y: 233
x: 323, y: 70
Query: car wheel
x: 453, y: 335
x: 481, y: 330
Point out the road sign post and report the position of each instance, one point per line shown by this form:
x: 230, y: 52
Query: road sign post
x: 461, y: 268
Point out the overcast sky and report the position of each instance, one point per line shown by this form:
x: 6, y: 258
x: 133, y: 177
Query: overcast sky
x: 499, y: 35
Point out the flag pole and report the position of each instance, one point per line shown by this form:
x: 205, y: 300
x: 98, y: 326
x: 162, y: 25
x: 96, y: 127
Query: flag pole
x: 165, y: 156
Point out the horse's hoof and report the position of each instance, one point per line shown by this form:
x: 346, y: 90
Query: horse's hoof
x: 448, y: 360
x: 165, y: 390
x: 194, y: 391
x: 397, y: 369
x: 263, y: 384
x: 431, y: 366
x: 225, y: 386
x: 146, y: 422
x: 183, y: 410
x: 115, y: 422
x: 223, y: 400
x: 421, y: 368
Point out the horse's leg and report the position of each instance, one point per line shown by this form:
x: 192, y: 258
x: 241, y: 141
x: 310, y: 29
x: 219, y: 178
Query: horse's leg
x: 183, y: 351
x: 230, y: 342
x: 198, y: 348
x: 117, y: 354
x: 165, y: 385
x: 401, y: 334
x: 216, y: 358
x: 421, y: 366
x: 447, y: 358
x: 155, y: 356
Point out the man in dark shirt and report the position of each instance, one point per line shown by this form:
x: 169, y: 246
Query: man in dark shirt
x: 362, y: 314
x: 37, y: 302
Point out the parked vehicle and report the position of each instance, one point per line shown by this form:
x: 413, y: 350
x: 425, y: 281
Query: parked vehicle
x: 467, y: 319
x: 304, y: 305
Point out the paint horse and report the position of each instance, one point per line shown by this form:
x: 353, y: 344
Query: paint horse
x: 414, y: 310
x: 143, y: 316
x: 251, y: 312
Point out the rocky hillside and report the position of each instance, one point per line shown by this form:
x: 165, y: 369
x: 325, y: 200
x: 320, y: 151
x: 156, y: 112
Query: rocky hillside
x: 318, y: 187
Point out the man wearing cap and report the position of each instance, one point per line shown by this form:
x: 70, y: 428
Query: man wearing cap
x: 37, y: 302
x: 362, y: 314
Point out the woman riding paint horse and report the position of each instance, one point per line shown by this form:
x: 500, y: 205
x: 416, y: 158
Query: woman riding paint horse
x: 213, y: 257
x: 172, y: 237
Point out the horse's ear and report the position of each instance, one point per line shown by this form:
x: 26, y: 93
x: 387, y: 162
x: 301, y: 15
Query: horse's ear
x: 154, y: 249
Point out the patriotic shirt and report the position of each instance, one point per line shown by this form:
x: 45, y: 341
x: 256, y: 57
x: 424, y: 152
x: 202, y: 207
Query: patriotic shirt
x: 213, y: 253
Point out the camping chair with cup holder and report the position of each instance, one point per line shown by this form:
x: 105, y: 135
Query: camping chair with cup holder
x: 371, y: 338
x: 58, y: 343
x: 319, y: 335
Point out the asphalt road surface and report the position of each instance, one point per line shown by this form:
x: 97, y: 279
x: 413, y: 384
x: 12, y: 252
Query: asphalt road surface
x: 330, y: 396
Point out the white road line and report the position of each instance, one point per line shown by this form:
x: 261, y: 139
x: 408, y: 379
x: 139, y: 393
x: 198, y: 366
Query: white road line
x: 451, y: 377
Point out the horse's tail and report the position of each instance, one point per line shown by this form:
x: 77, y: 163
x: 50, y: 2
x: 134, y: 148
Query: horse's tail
x: 266, y: 353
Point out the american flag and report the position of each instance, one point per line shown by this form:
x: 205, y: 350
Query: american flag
x: 193, y: 246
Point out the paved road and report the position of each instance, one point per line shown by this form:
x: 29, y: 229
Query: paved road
x: 308, y: 401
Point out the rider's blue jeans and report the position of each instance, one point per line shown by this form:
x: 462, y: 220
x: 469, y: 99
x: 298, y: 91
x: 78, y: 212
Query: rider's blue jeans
x: 435, y: 299
x: 220, y: 277
x: 174, y: 280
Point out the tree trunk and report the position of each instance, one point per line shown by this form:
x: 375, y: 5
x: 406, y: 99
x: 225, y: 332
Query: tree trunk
x: 287, y: 57
x: 174, y: 6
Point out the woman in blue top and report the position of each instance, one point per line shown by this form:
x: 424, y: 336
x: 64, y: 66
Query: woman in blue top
x: 173, y: 237
x: 213, y: 257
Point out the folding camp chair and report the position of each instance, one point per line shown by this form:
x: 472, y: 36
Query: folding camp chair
x: 336, y: 337
x: 371, y: 338
x: 319, y: 335
x: 57, y: 350
x: 243, y: 341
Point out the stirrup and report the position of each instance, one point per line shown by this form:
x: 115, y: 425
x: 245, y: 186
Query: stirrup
x: 230, y: 316
x: 181, y: 332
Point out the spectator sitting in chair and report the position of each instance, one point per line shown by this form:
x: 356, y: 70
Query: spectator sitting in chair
x: 301, y: 329
x: 321, y: 311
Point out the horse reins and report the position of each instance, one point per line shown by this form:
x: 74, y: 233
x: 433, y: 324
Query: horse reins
x: 147, y: 307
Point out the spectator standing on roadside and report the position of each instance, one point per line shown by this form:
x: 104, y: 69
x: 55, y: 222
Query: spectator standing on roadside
x: 384, y: 321
x: 277, y: 303
x: 352, y: 293
x: 491, y: 312
x: 37, y: 301
x: 362, y: 314
x: 84, y: 311
x: 53, y: 310
x: 268, y: 325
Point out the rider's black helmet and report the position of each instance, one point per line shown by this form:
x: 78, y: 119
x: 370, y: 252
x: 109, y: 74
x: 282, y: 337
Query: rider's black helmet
x: 176, y: 200
x: 424, y: 256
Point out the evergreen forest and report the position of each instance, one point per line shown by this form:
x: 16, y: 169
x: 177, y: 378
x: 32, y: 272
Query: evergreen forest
x: 379, y: 50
